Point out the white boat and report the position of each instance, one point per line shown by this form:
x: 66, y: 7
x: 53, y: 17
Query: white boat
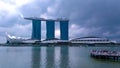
x: 14, y: 39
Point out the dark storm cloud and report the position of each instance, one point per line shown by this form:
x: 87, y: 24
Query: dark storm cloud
x: 89, y: 14
x: 87, y: 17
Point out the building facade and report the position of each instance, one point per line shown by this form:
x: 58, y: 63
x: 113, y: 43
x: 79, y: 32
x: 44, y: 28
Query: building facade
x: 64, y: 30
x: 91, y: 40
x: 50, y: 28
x: 36, y: 29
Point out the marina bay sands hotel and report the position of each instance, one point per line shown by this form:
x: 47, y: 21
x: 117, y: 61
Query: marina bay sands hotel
x: 50, y: 28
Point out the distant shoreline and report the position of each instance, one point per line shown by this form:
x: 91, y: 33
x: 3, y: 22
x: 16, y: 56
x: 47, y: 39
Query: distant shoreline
x: 58, y: 44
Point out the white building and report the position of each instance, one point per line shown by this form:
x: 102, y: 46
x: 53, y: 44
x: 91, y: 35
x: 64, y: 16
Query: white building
x: 91, y: 40
x: 55, y: 40
x: 14, y: 39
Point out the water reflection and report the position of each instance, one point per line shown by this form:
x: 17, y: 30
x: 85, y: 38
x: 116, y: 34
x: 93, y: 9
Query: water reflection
x: 64, y: 57
x: 54, y: 57
x: 50, y: 57
x: 36, y: 57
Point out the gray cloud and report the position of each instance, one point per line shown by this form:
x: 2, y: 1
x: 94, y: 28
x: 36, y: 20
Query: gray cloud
x: 103, y: 14
x: 89, y: 17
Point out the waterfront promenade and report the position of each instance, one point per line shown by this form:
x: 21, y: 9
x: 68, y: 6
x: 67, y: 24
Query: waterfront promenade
x: 57, y: 44
x: 105, y: 54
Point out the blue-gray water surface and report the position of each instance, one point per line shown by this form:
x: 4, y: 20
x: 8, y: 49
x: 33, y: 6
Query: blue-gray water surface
x: 53, y: 57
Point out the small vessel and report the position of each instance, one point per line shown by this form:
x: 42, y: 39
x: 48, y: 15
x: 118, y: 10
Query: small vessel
x: 14, y: 39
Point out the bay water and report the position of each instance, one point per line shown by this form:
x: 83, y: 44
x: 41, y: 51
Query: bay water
x: 53, y: 57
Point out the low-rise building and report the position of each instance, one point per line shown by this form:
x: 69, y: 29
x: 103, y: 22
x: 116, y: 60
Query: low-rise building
x: 91, y: 40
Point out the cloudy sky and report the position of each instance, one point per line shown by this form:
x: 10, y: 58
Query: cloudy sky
x: 87, y: 17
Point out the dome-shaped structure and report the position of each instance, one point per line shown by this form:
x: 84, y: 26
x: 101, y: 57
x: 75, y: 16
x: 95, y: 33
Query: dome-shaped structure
x: 91, y: 39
